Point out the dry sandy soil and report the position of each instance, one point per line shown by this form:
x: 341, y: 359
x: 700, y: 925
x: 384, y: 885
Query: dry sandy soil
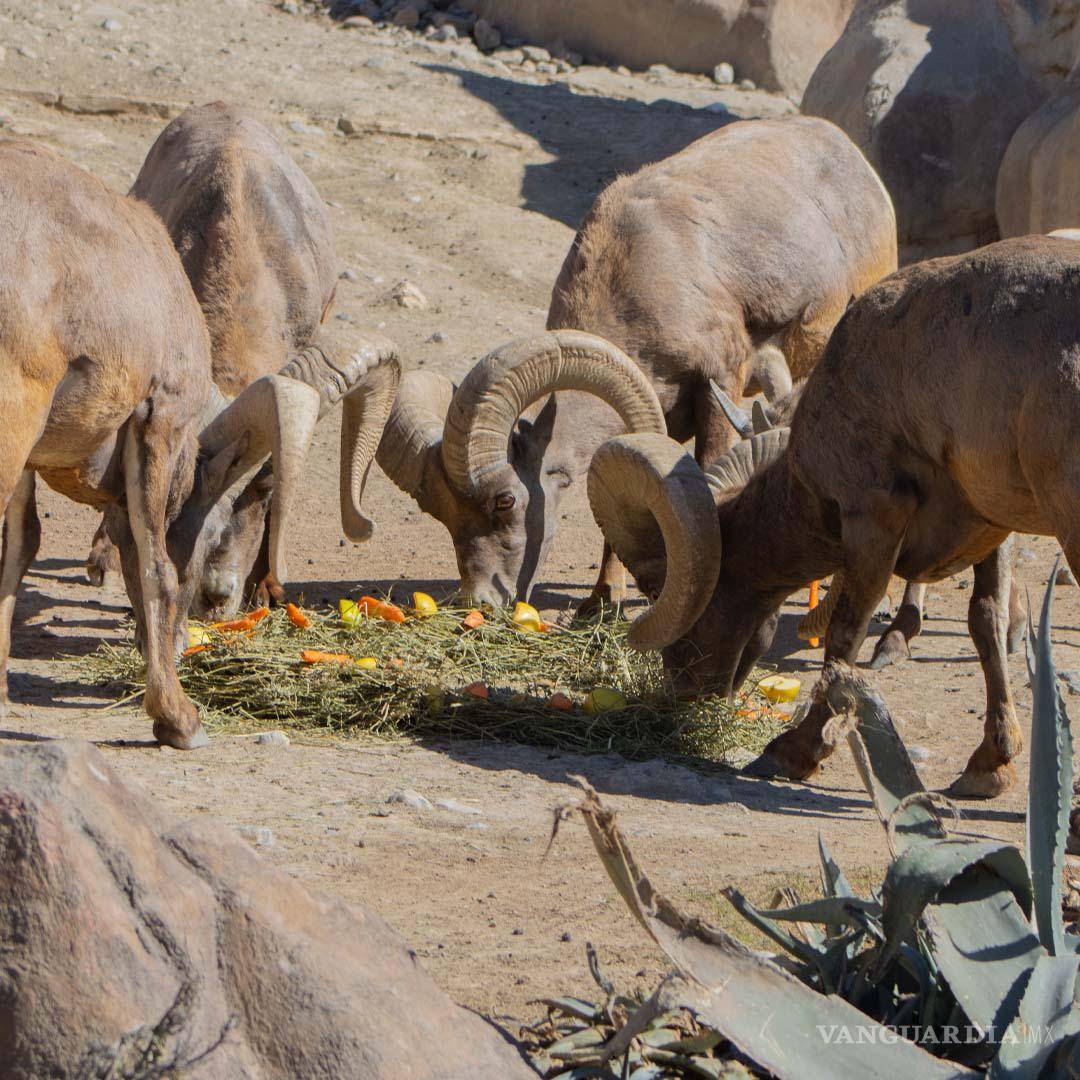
x: 468, y: 180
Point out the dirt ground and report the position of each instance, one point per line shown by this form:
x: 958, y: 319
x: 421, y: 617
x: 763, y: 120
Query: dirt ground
x: 467, y: 179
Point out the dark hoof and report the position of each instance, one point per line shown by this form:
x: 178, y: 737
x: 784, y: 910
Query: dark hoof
x: 891, y: 649
x: 982, y: 784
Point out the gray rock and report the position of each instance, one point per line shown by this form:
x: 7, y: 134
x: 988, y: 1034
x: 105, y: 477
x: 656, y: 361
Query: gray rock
x: 112, y: 25
x: 1064, y: 575
x: 486, y: 36
x: 412, y: 799
x: 272, y: 738
x: 536, y: 53
x: 723, y: 74
x: 289, y: 7
x: 346, y: 126
x: 547, y: 67
x: 446, y: 32
x: 29, y: 54
x: 408, y: 16
x: 919, y: 754
x: 747, y: 84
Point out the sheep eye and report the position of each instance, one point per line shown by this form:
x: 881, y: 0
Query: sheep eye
x: 505, y: 501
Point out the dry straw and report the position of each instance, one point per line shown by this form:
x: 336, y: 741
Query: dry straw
x: 417, y: 688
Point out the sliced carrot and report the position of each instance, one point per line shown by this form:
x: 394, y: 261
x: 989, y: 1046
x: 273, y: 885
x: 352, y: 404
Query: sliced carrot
x: 258, y: 614
x: 473, y: 620
x: 193, y: 649
x: 234, y: 626
x: 397, y: 662
x: 297, y: 617
x: 380, y: 609
x: 317, y: 656
x: 477, y: 690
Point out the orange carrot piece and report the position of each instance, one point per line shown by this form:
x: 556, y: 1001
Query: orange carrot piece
x: 297, y: 617
x: 380, y: 609
x: 473, y: 620
x: 477, y: 690
x: 561, y: 702
x: 815, y: 587
x: 258, y: 614
x: 234, y: 626
x: 317, y: 656
x: 193, y: 649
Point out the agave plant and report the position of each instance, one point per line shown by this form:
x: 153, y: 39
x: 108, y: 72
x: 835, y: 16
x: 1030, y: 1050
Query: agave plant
x: 960, y: 965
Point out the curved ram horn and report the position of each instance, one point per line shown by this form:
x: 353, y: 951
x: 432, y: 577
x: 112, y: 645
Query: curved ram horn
x: 816, y: 621
x: 507, y: 381
x: 654, y: 506
x: 732, y: 471
x: 366, y: 383
x: 414, y: 430
x: 761, y: 421
x: 274, y: 417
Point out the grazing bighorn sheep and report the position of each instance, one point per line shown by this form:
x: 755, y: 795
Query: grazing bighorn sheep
x: 759, y: 232
x: 255, y: 241
x: 938, y: 422
x: 109, y: 397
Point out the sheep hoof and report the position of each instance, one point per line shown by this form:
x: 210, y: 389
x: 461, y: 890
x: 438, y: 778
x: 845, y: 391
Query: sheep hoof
x: 892, y: 648
x: 984, y: 783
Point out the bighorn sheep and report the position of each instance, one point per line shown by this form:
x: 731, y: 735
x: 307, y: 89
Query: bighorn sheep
x: 255, y: 241
x: 760, y: 232
x: 937, y: 423
x: 109, y: 397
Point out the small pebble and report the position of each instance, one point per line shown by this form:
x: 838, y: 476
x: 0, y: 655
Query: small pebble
x: 566, y: 936
x: 348, y: 275
x: 747, y: 84
x: 919, y: 754
x: 272, y: 738
x: 412, y: 799
x: 112, y: 25
x: 409, y: 296
x: 1064, y: 575
x: 723, y: 74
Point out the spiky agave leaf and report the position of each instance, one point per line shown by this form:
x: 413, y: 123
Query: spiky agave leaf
x: 777, y: 1021
x: 1047, y: 1016
x: 982, y: 942
x: 1050, y: 782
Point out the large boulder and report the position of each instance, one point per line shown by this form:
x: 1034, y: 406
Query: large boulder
x: 932, y: 91
x: 133, y: 942
x: 777, y: 43
x: 1038, y: 185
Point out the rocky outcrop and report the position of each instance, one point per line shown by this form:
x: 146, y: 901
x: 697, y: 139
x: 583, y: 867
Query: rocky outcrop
x: 931, y: 91
x: 776, y: 43
x: 133, y: 942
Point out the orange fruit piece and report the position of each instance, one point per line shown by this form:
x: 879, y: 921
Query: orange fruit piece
x: 473, y: 620
x: 317, y: 656
x: 297, y: 617
x: 477, y: 690
x: 560, y: 701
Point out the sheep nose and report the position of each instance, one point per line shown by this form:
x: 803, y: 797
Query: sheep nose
x: 219, y: 588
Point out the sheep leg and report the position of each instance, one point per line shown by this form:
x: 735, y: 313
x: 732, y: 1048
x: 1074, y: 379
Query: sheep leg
x: 990, y: 771
x: 103, y: 556
x: 22, y: 538
x: 610, y: 588
x: 261, y: 587
x: 150, y: 445
x: 893, y: 645
x: 870, y: 548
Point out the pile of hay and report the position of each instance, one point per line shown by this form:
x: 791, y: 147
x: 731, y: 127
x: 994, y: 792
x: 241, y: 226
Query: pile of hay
x: 248, y: 682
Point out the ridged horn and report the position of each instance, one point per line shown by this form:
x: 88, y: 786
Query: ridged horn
x: 815, y: 622
x: 732, y: 471
x: 654, y: 506
x: 414, y: 430
x: 738, y: 418
x: 366, y: 383
x: 507, y: 381
x: 274, y: 417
